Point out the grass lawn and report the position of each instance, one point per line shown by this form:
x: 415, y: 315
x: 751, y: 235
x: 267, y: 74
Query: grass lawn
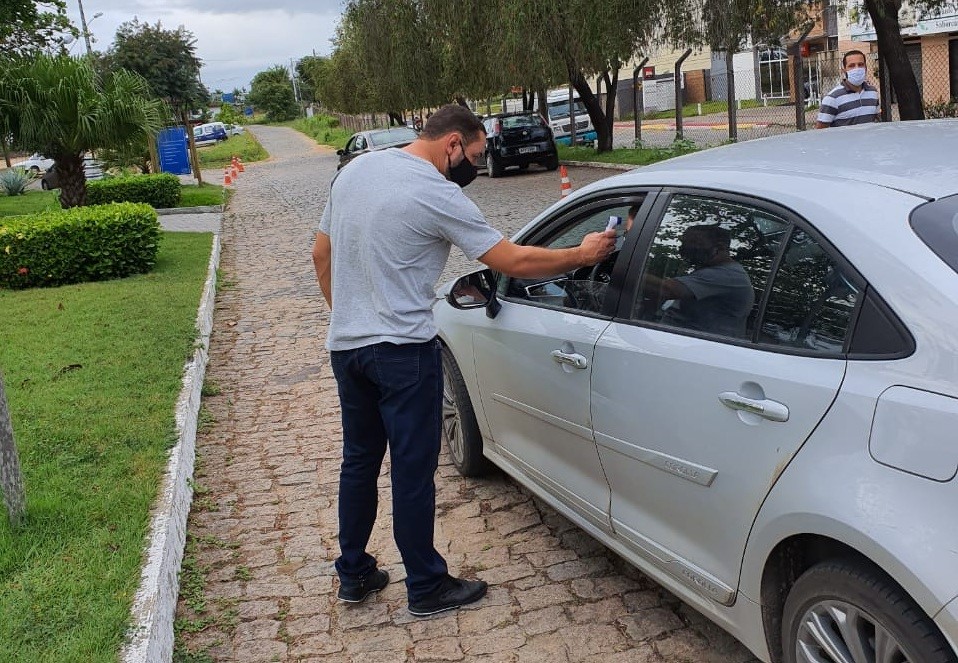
x: 92, y: 373
x: 642, y: 156
x: 199, y: 196
x: 323, y: 129
x: 245, y: 146
x: 692, y: 110
x: 37, y: 201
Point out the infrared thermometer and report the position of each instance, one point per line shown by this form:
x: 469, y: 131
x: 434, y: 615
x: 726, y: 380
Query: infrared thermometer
x: 614, y: 223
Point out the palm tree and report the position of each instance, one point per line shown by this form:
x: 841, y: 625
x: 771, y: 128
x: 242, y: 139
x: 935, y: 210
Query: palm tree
x: 62, y: 107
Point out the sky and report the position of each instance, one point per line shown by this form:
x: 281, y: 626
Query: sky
x: 235, y: 39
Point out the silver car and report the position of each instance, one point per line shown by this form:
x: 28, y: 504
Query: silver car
x: 755, y: 400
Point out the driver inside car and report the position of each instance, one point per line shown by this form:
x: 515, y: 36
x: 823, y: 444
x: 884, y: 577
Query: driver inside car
x: 715, y: 297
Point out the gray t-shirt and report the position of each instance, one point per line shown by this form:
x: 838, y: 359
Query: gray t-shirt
x: 723, y: 300
x: 391, y: 218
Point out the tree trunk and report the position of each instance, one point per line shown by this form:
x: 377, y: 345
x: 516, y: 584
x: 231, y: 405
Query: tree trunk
x: 594, y: 108
x: 11, y: 481
x: 461, y: 100
x: 884, y: 15
x: 543, y: 105
x: 72, y: 180
x: 395, y: 119
x: 6, y: 152
x: 611, y: 83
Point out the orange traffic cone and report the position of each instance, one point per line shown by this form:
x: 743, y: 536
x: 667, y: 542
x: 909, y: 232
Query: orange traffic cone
x: 239, y: 163
x: 227, y: 177
x: 234, y: 171
x: 566, y: 186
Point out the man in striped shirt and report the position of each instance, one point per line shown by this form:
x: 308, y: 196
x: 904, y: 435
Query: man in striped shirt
x: 855, y: 101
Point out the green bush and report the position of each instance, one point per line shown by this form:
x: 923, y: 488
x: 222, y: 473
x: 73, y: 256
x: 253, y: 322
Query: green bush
x: 15, y: 180
x: 157, y: 190
x: 941, y: 108
x: 76, y: 245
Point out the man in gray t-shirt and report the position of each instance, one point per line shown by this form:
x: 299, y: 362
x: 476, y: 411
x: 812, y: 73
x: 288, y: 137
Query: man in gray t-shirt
x: 383, y: 241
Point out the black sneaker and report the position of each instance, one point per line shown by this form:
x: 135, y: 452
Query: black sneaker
x: 368, y: 584
x: 451, y: 593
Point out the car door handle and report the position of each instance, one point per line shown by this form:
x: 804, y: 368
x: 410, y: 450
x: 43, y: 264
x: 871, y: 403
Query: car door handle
x: 573, y: 359
x: 767, y: 409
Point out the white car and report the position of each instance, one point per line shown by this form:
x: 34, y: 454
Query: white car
x: 35, y: 163
x: 755, y: 399
x: 234, y: 129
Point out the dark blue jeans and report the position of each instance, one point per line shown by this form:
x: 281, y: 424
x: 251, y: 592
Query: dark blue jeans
x: 390, y: 393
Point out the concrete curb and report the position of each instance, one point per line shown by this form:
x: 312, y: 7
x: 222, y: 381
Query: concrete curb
x: 150, y: 638
x: 599, y: 164
x: 189, y: 210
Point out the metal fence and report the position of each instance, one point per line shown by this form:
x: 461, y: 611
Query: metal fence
x: 770, y: 90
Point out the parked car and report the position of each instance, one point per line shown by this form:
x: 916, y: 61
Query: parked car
x: 92, y: 168
x: 234, y: 129
x: 754, y: 400
x: 518, y: 139
x: 375, y: 139
x: 209, y: 133
x: 36, y: 163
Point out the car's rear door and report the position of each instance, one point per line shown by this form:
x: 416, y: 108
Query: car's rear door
x: 694, y: 426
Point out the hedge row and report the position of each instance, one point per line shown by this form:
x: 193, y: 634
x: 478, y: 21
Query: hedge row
x: 157, y: 190
x: 76, y: 245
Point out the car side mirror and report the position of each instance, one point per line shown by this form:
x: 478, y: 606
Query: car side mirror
x: 340, y: 152
x: 476, y: 290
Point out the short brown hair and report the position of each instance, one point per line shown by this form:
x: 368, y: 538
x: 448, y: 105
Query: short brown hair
x: 453, y: 118
x: 856, y: 52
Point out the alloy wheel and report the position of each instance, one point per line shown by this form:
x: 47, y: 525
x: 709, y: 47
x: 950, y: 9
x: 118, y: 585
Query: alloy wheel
x: 839, y: 632
x: 451, y: 422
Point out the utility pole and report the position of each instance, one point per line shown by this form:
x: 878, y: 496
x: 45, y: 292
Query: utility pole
x: 86, y: 30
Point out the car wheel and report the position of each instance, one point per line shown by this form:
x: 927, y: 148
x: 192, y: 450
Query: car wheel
x: 460, y: 431
x: 848, y: 612
x: 44, y: 185
x: 493, y: 166
x: 35, y: 170
x: 552, y: 163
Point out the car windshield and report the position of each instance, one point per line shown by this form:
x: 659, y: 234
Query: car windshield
x: 561, y: 109
x: 390, y: 136
x: 519, y: 121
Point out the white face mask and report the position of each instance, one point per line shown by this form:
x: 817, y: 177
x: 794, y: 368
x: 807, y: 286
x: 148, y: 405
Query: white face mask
x: 856, y: 76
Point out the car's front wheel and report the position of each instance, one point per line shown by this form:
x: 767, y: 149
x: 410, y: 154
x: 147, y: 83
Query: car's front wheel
x: 460, y: 431
x: 851, y: 612
x: 44, y: 185
x: 493, y: 166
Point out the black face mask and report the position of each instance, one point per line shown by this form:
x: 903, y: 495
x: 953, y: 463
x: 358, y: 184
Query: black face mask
x: 464, y: 172
x: 697, y: 255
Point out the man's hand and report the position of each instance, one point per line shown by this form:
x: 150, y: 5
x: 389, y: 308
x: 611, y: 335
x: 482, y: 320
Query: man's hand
x: 596, y: 247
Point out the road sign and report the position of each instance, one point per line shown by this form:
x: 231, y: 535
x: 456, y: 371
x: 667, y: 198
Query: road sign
x: 248, y: 111
x: 172, y: 148
x: 228, y: 97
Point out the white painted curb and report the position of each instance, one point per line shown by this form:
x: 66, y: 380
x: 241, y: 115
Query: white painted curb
x: 150, y: 638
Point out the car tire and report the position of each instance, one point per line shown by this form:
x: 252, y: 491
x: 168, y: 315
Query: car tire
x: 846, y: 605
x: 552, y: 163
x: 493, y: 166
x: 460, y: 431
x: 35, y: 170
x: 44, y: 185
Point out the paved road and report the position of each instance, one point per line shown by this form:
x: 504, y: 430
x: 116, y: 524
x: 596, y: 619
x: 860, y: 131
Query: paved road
x: 258, y: 582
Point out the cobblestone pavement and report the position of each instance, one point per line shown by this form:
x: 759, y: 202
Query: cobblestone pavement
x: 258, y: 581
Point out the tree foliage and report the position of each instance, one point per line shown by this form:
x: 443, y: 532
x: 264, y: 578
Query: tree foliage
x: 272, y: 91
x: 29, y: 26
x: 166, y: 59
x: 61, y: 107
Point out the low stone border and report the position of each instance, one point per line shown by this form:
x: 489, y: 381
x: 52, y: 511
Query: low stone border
x: 150, y: 638
x: 599, y: 164
x: 189, y: 210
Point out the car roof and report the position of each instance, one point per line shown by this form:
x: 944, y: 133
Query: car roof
x: 919, y: 157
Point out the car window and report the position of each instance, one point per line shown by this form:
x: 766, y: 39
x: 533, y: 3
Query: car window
x: 708, y: 265
x: 391, y: 136
x: 812, y: 299
x: 360, y: 143
x: 350, y: 145
x: 583, y: 289
x: 519, y: 121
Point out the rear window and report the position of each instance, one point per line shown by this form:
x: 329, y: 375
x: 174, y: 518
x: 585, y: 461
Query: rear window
x: 519, y: 121
x: 936, y: 223
x: 392, y: 136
